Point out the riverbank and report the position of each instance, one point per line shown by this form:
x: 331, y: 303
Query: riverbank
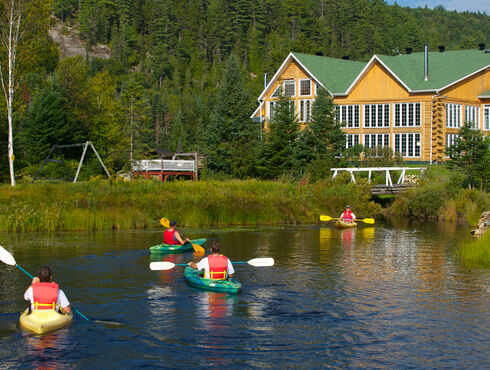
x: 474, y: 252
x: 105, y: 205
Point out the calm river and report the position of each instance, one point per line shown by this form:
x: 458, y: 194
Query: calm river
x: 388, y: 296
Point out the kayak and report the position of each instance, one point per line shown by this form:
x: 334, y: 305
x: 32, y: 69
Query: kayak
x: 176, y: 247
x: 43, y: 321
x: 343, y: 224
x: 195, y: 278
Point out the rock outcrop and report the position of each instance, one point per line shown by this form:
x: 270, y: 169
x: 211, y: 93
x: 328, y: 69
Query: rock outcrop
x: 483, y: 224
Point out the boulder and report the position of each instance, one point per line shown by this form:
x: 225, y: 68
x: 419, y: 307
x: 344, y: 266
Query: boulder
x: 483, y: 224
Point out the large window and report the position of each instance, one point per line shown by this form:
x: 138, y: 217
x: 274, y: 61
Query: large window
x: 486, y: 117
x: 305, y: 87
x: 304, y: 110
x: 453, y: 115
x: 450, y: 140
x: 408, y: 145
x: 289, y: 88
x: 407, y: 114
x: 376, y: 141
x: 376, y: 115
x: 472, y: 116
x: 351, y: 140
x: 347, y: 115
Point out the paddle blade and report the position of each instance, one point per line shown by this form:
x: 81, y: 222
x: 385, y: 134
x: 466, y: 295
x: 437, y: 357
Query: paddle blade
x: 165, y: 222
x: 261, y: 262
x: 164, y: 265
x: 6, y: 257
x: 368, y: 220
x: 197, y: 248
x: 325, y: 218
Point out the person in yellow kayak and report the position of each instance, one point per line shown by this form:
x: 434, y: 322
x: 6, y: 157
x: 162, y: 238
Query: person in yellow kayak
x: 347, y: 216
x: 216, y: 266
x: 172, y: 236
x: 45, y: 294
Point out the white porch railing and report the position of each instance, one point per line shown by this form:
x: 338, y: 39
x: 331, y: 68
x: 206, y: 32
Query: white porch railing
x: 388, y: 182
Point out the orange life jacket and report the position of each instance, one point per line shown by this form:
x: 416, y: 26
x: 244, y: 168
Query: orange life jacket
x: 169, y: 237
x: 218, y: 265
x: 45, y: 295
x: 347, y: 215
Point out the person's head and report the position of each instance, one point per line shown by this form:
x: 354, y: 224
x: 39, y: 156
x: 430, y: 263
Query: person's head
x: 173, y: 223
x: 45, y: 274
x: 215, y: 247
x: 347, y: 207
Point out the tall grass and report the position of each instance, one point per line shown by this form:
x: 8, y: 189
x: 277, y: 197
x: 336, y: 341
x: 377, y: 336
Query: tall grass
x: 103, y: 205
x: 474, y: 252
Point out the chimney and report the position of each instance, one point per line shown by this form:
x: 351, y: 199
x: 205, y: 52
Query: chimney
x: 346, y: 57
x: 442, y: 48
x: 426, y: 62
x: 265, y: 80
x: 409, y: 50
x: 481, y: 46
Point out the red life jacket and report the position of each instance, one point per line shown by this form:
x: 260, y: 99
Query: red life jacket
x: 347, y: 215
x: 45, y: 295
x: 169, y: 238
x: 218, y: 265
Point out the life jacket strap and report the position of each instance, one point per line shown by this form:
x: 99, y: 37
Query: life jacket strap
x: 52, y: 305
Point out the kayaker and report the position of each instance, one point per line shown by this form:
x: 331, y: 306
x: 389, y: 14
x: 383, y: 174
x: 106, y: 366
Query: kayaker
x: 215, y: 266
x: 172, y: 236
x: 45, y: 294
x: 348, y: 216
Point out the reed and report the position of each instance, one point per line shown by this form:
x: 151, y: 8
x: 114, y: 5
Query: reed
x: 103, y: 205
x: 474, y: 252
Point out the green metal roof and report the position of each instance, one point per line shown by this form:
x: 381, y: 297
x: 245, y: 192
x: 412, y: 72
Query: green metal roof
x: 335, y: 74
x: 444, y: 68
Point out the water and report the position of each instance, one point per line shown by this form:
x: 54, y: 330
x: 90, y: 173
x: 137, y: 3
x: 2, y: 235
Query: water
x: 383, y: 296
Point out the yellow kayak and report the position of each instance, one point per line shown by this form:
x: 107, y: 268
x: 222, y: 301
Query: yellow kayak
x: 343, y: 224
x: 43, y: 321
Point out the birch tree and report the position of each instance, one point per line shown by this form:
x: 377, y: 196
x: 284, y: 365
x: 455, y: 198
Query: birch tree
x: 23, y: 30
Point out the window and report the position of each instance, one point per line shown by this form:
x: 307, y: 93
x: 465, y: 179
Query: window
x: 377, y: 115
x: 472, y: 116
x: 407, y: 114
x: 289, y: 88
x: 376, y: 141
x: 450, y: 140
x: 304, y: 87
x: 292, y: 108
x: 304, y: 110
x: 408, y: 145
x: 272, y: 107
x: 486, y: 117
x: 347, y: 115
x: 453, y: 115
x: 351, y: 140
x: 276, y: 92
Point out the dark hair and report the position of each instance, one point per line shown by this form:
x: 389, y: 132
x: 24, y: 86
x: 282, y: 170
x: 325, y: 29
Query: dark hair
x: 173, y: 223
x: 215, y: 246
x: 45, y: 274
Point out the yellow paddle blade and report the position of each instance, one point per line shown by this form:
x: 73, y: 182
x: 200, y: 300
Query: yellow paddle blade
x: 367, y: 220
x: 326, y: 218
x: 165, y: 223
x: 197, y: 248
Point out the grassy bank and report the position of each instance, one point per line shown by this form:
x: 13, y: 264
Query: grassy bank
x: 474, y: 252
x: 104, y: 205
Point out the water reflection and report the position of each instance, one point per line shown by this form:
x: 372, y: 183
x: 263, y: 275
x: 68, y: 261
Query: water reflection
x: 50, y: 350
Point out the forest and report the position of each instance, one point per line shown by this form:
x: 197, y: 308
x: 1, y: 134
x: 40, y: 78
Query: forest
x: 187, y: 74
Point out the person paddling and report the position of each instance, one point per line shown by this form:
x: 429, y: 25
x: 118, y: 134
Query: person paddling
x: 172, y: 236
x: 216, y: 266
x: 348, y: 216
x: 45, y: 294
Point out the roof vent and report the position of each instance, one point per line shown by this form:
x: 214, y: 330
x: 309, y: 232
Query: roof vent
x: 346, y: 57
x: 319, y: 53
x: 441, y: 48
x: 481, y: 46
x: 409, y: 50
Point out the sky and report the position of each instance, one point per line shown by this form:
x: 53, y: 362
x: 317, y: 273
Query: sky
x: 483, y: 6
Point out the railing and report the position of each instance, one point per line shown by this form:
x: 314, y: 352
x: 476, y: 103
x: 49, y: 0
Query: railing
x: 163, y: 165
x: 369, y: 170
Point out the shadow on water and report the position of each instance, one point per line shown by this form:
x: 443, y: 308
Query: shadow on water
x: 383, y: 295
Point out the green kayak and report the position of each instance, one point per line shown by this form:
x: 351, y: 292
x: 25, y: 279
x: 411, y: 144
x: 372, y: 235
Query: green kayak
x: 195, y: 278
x: 176, y: 247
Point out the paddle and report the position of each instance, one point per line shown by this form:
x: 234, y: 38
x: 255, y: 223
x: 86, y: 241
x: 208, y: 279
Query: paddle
x: 366, y: 220
x: 257, y: 262
x: 7, y: 258
x: 166, y: 224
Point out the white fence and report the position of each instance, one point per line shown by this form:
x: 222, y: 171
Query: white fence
x: 163, y: 165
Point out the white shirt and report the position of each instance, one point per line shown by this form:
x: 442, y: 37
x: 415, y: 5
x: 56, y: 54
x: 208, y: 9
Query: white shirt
x: 62, y: 301
x: 204, y: 265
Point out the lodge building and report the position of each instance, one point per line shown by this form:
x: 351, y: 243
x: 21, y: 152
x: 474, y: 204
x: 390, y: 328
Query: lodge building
x: 414, y: 103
